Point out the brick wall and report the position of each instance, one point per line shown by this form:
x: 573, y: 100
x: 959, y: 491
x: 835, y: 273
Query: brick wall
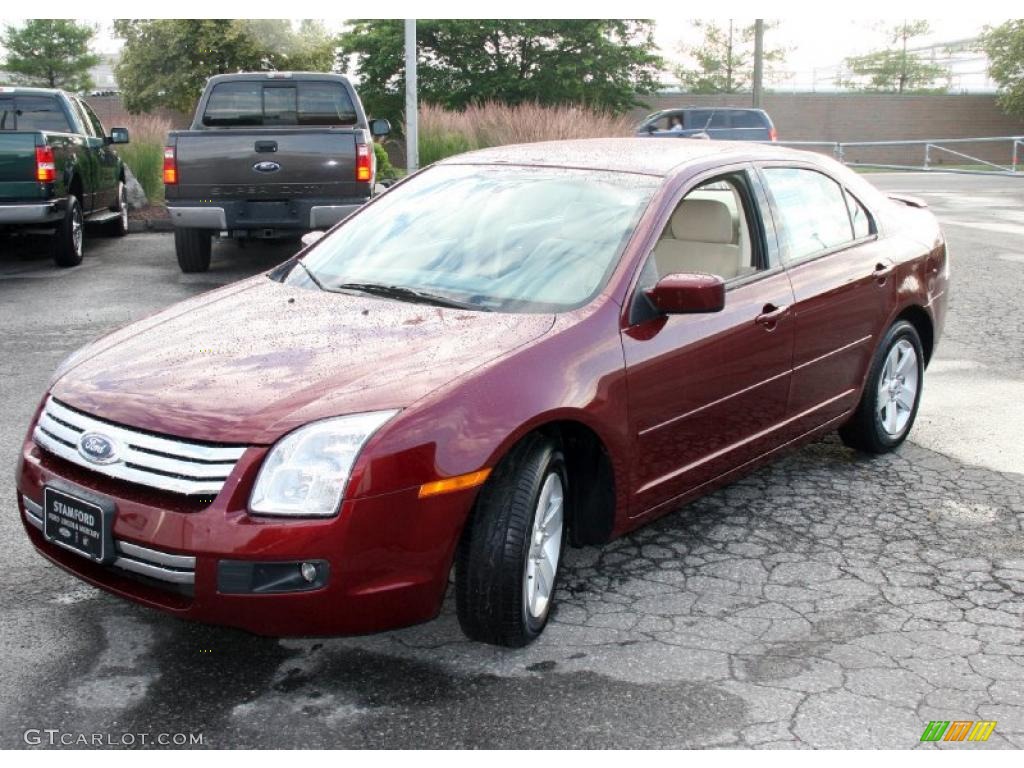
x: 874, y: 117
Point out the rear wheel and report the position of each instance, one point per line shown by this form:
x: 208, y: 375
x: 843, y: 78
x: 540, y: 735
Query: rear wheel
x: 507, y: 566
x: 67, y: 238
x: 892, y: 393
x: 193, y: 248
x: 119, y: 226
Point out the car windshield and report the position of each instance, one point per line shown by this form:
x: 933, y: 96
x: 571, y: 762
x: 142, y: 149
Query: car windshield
x: 509, y: 239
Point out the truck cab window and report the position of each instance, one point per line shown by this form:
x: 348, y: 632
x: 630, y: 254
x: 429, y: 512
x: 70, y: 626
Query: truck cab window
x: 33, y: 113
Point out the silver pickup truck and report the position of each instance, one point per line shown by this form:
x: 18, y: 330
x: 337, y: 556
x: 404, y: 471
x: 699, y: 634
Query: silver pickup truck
x: 269, y: 154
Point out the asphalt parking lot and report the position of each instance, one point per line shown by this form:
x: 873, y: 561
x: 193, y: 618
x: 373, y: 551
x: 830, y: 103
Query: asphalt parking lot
x: 829, y: 600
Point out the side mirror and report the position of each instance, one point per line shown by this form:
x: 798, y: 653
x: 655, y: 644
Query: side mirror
x: 118, y: 135
x: 680, y: 294
x: 380, y: 127
x: 311, y: 237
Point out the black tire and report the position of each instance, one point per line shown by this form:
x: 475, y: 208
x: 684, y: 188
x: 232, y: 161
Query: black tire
x: 119, y: 226
x: 491, y: 562
x: 865, y: 430
x: 193, y: 248
x: 69, y: 235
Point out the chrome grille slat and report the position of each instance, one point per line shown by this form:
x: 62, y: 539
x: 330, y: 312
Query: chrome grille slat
x: 164, y: 566
x: 155, y: 556
x: 170, y: 446
x: 167, y: 464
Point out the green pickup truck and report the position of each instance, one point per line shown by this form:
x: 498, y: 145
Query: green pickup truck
x: 58, y: 169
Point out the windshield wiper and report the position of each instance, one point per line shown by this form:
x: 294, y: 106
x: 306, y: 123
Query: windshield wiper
x: 408, y: 294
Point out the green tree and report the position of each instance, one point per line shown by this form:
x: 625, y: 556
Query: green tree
x: 602, y: 63
x: 724, y: 61
x: 166, y: 62
x: 50, y: 52
x: 1004, y: 46
x: 896, y: 69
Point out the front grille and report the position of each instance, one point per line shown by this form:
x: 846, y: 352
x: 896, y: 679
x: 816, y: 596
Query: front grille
x: 179, y: 570
x: 165, y: 463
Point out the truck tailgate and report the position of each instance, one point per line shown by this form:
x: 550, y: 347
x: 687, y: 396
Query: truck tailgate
x: 18, y: 165
x: 267, y: 164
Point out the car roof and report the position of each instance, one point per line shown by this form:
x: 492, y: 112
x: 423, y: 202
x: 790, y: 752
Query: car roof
x: 275, y: 76
x: 24, y: 90
x: 651, y: 156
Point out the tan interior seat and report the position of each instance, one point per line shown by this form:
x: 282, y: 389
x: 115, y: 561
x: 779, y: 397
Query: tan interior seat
x: 703, y: 239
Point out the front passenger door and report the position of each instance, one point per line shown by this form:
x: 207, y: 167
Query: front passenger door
x: 708, y: 392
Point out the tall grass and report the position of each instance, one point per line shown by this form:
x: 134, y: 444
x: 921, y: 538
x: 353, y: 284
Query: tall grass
x: 144, y: 154
x: 444, y: 132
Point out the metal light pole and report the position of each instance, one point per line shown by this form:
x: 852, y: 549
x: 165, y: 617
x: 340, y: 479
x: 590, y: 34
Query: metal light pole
x: 758, y: 60
x: 412, y: 145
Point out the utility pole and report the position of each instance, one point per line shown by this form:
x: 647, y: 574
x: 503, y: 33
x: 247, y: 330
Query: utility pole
x: 412, y: 144
x: 758, y: 61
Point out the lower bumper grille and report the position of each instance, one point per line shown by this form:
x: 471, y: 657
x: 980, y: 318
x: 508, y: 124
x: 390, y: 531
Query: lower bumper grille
x: 152, y: 563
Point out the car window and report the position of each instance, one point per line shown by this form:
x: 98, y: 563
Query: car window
x: 748, y: 120
x: 76, y: 107
x: 94, y: 122
x: 708, y: 232
x: 301, y: 103
x: 699, y: 119
x: 33, y: 113
x: 513, y: 239
x: 325, y: 104
x: 812, y: 211
x: 859, y: 216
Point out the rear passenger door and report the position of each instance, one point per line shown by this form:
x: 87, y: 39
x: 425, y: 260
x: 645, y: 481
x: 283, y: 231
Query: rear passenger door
x: 106, y: 160
x: 841, y: 283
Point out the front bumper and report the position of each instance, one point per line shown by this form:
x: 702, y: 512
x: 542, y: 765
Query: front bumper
x: 388, y: 557
x: 253, y: 215
x: 31, y: 213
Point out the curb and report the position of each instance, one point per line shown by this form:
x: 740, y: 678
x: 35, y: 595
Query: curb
x: 149, y: 225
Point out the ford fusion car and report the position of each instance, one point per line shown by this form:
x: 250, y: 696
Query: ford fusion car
x: 513, y: 351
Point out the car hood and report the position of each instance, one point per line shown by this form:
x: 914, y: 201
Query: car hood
x: 247, y: 363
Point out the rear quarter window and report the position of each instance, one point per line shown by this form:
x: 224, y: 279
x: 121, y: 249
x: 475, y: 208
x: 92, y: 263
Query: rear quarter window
x: 33, y: 113
x: 273, y: 104
x: 748, y: 120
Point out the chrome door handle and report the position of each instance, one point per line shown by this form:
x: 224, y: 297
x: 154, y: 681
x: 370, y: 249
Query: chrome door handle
x: 882, y: 270
x: 770, y: 315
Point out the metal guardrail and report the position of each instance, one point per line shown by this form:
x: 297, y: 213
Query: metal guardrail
x: 931, y: 147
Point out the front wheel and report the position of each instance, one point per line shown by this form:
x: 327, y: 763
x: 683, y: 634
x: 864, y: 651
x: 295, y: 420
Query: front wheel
x: 892, y: 393
x: 507, y: 565
x: 193, y: 248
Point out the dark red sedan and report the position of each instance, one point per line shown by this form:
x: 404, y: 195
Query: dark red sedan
x: 513, y: 350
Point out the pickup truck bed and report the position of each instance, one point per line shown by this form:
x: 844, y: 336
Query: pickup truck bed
x: 58, y: 169
x: 309, y: 181
x: 269, y: 154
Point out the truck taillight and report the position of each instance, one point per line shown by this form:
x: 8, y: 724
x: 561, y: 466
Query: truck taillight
x: 773, y: 135
x: 364, y: 162
x: 170, y: 166
x: 46, y: 168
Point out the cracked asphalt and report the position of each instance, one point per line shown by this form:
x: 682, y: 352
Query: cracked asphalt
x: 828, y: 600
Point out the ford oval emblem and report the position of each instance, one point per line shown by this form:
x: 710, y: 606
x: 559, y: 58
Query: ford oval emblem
x: 267, y: 166
x: 97, y: 448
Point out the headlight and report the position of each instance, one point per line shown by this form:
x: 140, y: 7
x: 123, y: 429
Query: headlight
x: 306, y: 471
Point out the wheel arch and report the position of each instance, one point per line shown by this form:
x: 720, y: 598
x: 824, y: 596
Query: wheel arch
x: 918, y: 317
x: 594, y: 482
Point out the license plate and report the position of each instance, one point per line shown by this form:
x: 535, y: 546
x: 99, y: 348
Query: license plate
x: 75, y: 524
